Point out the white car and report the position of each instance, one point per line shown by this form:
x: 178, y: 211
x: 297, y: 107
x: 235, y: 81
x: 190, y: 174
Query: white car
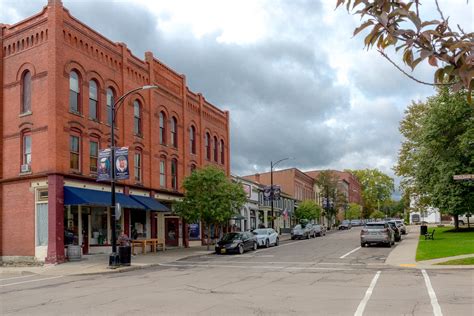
x: 266, y: 237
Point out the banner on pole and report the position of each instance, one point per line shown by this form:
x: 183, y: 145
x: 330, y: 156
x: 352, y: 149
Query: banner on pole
x: 104, y: 165
x: 121, y: 163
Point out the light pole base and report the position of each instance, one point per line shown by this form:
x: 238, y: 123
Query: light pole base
x: 114, y: 260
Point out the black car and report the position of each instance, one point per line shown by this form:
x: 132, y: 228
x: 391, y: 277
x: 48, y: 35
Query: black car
x: 396, y: 230
x: 237, y: 242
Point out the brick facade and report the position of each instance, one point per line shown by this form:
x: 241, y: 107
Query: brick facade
x: 52, y: 44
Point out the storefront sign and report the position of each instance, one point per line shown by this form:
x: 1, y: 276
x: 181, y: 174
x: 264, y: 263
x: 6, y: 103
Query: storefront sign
x: 103, y: 169
x: 121, y: 163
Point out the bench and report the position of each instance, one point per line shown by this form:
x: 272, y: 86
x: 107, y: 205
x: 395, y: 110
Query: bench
x: 430, y: 235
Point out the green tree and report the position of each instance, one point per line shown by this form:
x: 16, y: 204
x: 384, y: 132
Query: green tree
x: 354, y: 211
x: 327, y: 182
x: 308, y: 209
x: 438, y: 146
x: 210, y: 197
x: 377, y: 214
x: 399, y: 24
x: 377, y: 188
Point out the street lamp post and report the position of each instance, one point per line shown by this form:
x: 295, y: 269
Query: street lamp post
x: 272, y: 164
x: 114, y: 260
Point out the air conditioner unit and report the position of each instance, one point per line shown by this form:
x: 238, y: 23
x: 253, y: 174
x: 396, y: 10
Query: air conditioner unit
x: 25, y: 168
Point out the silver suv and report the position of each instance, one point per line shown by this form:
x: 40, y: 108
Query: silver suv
x: 377, y: 232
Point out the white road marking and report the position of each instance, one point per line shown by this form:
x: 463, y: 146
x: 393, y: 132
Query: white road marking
x: 282, y: 245
x: 353, y: 250
x: 368, y: 294
x: 29, y: 281
x: 248, y: 267
x: 432, y: 294
x: 19, y: 277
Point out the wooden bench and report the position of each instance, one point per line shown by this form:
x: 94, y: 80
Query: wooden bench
x: 430, y: 235
x: 142, y: 243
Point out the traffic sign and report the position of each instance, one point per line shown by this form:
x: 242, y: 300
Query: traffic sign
x: 463, y: 177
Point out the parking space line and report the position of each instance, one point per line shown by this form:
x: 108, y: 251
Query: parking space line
x: 29, y: 281
x: 353, y: 250
x: 368, y: 294
x: 432, y: 294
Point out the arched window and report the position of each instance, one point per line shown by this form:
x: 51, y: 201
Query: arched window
x: 109, y: 105
x: 216, y: 151
x: 222, y: 151
x: 26, y: 148
x: 75, y: 151
x: 26, y: 92
x: 192, y: 139
x: 93, y: 100
x: 174, y: 132
x: 163, y: 172
x: 193, y: 167
x: 138, y: 166
x: 74, y: 92
x: 174, y: 174
x: 207, y: 143
x: 162, y: 128
x: 137, y: 120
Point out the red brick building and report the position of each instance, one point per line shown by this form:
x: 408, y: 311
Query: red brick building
x: 59, y: 79
x: 346, y: 179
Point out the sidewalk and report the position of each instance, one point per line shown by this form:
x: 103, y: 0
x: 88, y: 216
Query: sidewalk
x: 404, y: 255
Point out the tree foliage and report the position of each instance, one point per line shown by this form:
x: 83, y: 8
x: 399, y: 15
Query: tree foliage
x: 439, y: 143
x: 377, y: 214
x: 332, y: 199
x: 308, y: 209
x: 377, y: 188
x: 396, y: 23
x: 210, y: 197
x: 354, y: 211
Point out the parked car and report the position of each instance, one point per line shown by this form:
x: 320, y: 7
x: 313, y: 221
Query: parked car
x: 266, y: 237
x: 378, y: 233
x: 238, y: 242
x: 346, y: 224
x: 396, y: 231
x: 303, y: 231
x: 356, y: 222
x: 320, y: 230
x: 401, y: 226
x: 463, y: 219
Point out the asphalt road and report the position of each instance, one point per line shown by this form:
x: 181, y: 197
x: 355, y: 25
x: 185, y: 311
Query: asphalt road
x: 328, y: 275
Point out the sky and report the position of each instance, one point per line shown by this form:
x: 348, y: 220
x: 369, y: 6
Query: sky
x: 296, y: 82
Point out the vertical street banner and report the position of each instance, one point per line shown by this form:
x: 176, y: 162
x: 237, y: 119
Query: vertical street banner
x: 103, y: 168
x: 276, y: 192
x: 267, y: 193
x: 121, y: 163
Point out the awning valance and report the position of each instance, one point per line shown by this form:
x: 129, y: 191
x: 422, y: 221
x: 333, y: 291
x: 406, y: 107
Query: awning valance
x: 150, y: 203
x: 78, y: 196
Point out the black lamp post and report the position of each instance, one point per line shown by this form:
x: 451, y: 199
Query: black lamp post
x: 272, y: 164
x: 114, y: 260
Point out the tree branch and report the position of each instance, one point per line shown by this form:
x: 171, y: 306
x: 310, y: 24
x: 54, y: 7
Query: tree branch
x: 410, y: 76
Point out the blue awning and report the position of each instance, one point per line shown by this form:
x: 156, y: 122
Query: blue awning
x: 78, y: 196
x: 150, y: 203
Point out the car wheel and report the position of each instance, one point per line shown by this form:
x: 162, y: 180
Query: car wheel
x: 267, y: 243
x: 362, y: 244
x: 277, y: 242
x: 241, y: 249
x: 461, y: 223
x: 255, y: 246
x: 307, y: 236
x: 293, y: 238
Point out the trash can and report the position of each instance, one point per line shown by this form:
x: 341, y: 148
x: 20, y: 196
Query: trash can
x: 423, y: 230
x: 74, y: 252
x: 125, y: 254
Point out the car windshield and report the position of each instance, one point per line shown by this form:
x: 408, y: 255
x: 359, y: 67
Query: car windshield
x: 297, y: 227
x: 232, y: 236
x: 375, y: 226
x: 345, y: 222
x: 260, y: 231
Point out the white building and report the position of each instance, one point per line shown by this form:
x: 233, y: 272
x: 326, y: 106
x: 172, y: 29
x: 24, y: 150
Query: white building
x: 249, y: 219
x: 429, y: 214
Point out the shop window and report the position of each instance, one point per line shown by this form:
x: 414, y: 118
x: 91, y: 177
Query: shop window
x: 162, y: 128
x: 137, y: 120
x: 174, y: 174
x: 71, y: 225
x: 174, y: 132
x: 93, y: 155
x: 110, y: 104
x: 222, y: 151
x: 138, y: 166
x: 207, y: 144
x: 138, y: 223
x: 162, y: 173
x: 74, y: 92
x: 41, y: 224
x: 93, y: 100
x: 215, y: 149
x: 26, y: 92
x: 98, y: 226
x: 74, y: 152
x: 192, y: 139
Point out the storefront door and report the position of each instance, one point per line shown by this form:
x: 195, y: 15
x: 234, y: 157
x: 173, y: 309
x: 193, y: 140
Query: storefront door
x: 171, y: 232
x: 85, y: 233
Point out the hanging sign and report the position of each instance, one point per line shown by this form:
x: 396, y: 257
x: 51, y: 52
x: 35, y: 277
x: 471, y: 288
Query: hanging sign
x: 121, y: 163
